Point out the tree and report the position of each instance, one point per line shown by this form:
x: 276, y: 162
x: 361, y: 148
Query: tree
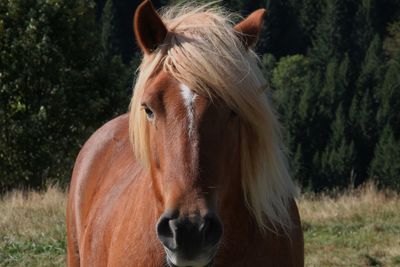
x: 365, y: 29
x: 268, y: 64
x: 333, y: 32
x: 55, y: 88
x: 288, y: 79
x: 389, y: 97
x: 310, y: 14
x: 334, y: 163
x: 109, y: 31
x: 364, y: 107
x: 392, y: 42
x: 282, y: 33
x: 385, y: 167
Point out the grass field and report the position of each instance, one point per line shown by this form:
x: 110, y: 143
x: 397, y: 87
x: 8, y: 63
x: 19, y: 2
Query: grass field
x: 357, y: 228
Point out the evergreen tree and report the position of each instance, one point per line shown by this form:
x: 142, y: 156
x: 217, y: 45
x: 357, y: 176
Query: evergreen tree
x: 364, y: 106
x: 364, y: 31
x: 392, y: 42
x: 385, y: 167
x: 333, y: 32
x: 310, y: 14
x: 317, y: 107
x: 297, y: 167
x: 109, y: 31
x: 336, y: 161
x: 268, y: 65
x: 309, y: 128
x: 389, y: 97
x: 282, y: 31
x: 388, y: 12
x: 245, y: 7
x: 288, y: 79
x: 328, y: 99
x: 336, y: 85
x: 112, y: 49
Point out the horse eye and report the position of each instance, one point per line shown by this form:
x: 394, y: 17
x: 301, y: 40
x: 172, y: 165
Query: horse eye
x: 149, y: 113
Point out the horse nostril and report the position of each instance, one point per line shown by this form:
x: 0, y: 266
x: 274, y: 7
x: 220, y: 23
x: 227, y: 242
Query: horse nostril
x: 211, y: 229
x: 165, y: 232
x: 163, y: 227
x: 187, y: 235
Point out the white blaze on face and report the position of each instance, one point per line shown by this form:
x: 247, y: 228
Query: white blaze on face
x: 189, y: 98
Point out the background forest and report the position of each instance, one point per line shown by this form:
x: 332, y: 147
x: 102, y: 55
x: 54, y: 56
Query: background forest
x: 333, y: 67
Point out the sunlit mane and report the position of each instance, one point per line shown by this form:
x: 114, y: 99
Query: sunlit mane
x: 204, y: 52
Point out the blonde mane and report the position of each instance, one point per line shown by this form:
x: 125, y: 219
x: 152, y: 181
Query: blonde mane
x: 203, y: 51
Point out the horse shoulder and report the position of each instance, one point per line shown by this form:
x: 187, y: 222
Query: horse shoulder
x: 296, y: 237
x: 90, y: 173
x: 287, y: 249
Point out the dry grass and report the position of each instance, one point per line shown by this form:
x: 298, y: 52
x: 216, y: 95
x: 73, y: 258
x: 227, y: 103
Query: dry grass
x: 32, y: 229
x: 356, y: 228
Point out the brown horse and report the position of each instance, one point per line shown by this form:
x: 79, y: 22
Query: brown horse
x: 206, y: 182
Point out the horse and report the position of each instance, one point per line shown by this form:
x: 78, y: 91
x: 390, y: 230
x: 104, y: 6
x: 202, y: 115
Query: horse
x: 195, y: 173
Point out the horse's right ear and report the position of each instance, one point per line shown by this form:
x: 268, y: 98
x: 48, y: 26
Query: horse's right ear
x: 150, y: 30
x: 249, y: 29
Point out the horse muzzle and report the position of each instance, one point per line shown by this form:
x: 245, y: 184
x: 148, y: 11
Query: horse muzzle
x: 189, y: 241
x: 203, y: 261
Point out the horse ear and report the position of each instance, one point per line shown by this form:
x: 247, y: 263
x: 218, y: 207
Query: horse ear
x: 150, y: 30
x: 250, y: 28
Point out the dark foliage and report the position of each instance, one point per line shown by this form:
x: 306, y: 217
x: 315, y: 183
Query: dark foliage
x: 57, y: 85
x: 333, y: 66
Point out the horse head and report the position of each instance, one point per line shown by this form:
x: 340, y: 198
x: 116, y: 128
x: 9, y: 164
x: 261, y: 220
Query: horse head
x: 190, y: 115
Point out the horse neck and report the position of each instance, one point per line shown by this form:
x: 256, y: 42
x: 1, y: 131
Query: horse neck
x: 233, y: 209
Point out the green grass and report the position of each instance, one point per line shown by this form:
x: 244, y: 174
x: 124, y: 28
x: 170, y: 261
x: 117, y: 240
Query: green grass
x: 357, y: 228
x: 32, y: 229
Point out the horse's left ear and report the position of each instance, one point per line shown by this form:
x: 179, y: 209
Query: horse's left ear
x: 150, y: 30
x: 250, y: 28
